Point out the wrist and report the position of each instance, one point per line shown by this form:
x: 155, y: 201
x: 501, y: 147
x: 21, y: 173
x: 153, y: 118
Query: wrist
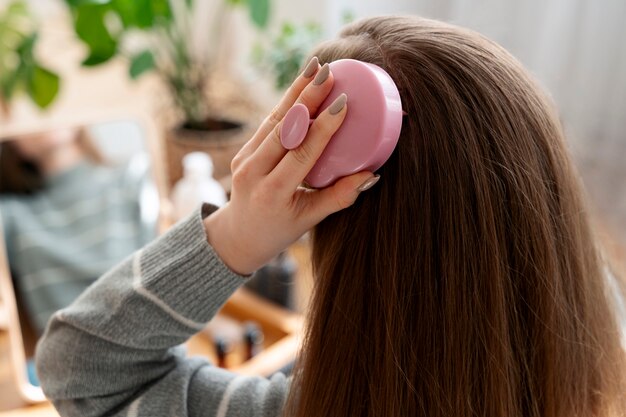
x: 216, y: 227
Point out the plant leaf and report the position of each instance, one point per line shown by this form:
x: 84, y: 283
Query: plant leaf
x: 43, y: 86
x: 161, y: 8
x: 25, y: 48
x: 140, y: 63
x: 126, y: 10
x: 12, y: 81
x: 19, y: 70
x: 94, y: 59
x: 259, y: 12
x: 77, y: 3
x: 144, y: 15
x: 91, y: 28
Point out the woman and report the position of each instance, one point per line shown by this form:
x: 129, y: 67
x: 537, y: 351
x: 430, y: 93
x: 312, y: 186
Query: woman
x: 67, y: 218
x: 467, y: 282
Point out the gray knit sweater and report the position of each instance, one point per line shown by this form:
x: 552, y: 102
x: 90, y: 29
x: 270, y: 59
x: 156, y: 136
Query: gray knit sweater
x: 116, y: 350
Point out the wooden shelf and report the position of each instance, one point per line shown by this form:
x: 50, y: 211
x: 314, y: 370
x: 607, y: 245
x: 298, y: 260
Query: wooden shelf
x: 281, y: 329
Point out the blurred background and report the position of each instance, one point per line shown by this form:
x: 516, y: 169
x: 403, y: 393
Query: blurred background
x: 111, y: 56
x: 131, y: 96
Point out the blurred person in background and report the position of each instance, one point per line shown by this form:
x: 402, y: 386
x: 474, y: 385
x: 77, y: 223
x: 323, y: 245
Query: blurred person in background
x: 67, y: 217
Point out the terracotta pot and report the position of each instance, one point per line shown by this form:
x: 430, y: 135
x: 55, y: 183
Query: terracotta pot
x: 235, y: 117
x: 221, y: 140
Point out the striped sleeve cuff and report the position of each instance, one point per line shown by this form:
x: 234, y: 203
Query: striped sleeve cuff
x: 182, y: 271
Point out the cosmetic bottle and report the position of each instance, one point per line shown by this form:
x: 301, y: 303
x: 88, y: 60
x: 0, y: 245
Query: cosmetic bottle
x: 197, y: 185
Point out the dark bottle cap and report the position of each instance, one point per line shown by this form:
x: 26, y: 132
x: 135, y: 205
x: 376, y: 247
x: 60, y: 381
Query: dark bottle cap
x: 253, y: 333
x: 222, y: 348
x: 253, y: 337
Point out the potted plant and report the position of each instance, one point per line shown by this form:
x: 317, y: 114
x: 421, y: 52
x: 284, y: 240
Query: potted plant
x: 161, y: 36
x: 20, y: 70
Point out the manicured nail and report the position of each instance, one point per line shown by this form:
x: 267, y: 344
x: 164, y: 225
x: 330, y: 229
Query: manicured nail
x: 311, y: 67
x: 338, y: 104
x: 368, y: 184
x: 295, y: 126
x: 322, y: 75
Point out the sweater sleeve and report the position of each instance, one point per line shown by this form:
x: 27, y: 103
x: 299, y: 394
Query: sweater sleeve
x: 116, y: 350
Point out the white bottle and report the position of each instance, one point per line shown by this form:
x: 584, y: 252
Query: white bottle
x: 197, y: 185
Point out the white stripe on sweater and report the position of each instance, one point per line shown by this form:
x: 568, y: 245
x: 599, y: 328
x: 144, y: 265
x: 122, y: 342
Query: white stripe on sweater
x: 138, y: 286
x: 233, y: 386
x: 133, y: 410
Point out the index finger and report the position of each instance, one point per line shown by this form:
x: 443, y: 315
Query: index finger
x: 278, y: 113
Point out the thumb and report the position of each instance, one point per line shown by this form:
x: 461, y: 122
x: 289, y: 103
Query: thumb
x: 342, y: 194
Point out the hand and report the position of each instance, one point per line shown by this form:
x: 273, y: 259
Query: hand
x: 268, y: 209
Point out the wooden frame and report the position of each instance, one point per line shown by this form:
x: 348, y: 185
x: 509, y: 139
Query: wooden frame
x: 27, y: 392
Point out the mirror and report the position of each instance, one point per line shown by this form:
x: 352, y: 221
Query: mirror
x: 73, y: 203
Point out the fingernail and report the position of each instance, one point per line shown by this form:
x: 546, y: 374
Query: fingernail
x: 311, y: 68
x: 322, y: 75
x: 295, y: 126
x: 368, y: 184
x: 338, y: 104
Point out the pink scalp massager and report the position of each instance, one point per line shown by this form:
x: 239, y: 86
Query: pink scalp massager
x: 370, y: 131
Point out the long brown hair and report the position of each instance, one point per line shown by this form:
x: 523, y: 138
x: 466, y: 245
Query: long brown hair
x: 21, y: 176
x: 468, y: 281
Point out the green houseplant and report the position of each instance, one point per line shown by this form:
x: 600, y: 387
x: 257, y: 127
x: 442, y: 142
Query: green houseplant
x: 20, y: 70
x: 287, y: 51
x: 160, y: 36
